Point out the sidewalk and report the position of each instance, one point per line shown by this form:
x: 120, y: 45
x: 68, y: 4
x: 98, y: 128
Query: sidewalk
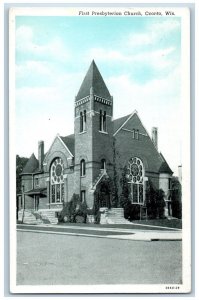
x: 107, y: 232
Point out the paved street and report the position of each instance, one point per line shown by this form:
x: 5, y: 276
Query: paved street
x: 54, y: 259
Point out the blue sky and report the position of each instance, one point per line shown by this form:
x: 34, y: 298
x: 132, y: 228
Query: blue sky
x: 138, y: 57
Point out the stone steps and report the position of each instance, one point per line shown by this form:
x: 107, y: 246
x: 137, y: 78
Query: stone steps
x: 48, y: 216
x: 113, y: 216
x: 29, y: 217
x: 38, y: 217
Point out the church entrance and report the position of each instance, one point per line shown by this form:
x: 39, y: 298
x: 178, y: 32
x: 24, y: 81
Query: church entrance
x: 103, y: 193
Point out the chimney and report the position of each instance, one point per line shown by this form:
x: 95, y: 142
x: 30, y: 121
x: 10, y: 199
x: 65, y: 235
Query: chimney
x: 40, y: 154
x: 155, y: 136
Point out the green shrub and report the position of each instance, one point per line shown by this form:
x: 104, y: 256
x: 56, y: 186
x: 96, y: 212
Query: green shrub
x: 132, y: 211
x: 154, y: 202
x: 74, y: 211
x: 124, y: 198
x: 176, y: 194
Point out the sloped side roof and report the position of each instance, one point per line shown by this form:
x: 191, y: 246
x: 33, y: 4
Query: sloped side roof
x: 69, y: 141
x: 93, y: 79
x: 164, y: 168
x: 42, y: 191
x: 31, y: 165
x: 117, y: 123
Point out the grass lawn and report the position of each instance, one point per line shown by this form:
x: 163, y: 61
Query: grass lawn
x: 173, y: 223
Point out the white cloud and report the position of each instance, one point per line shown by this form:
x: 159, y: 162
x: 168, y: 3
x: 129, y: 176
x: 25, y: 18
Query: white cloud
x: 157, y: 103
x: 154, y: 32
x: 158, y: 59
x: 54, y: 49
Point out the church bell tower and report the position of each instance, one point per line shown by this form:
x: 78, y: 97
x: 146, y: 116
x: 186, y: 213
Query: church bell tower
x: 93, y: 133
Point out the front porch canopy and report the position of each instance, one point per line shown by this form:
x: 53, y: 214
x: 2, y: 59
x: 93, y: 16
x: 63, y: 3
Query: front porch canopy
x: 39, y: 191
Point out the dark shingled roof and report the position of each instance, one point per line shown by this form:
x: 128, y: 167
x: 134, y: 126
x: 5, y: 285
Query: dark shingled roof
x: 93, y: 79
x: 117, y: 123
x: 164, y: 168
x: 69, y: 141
x: 31, y: 165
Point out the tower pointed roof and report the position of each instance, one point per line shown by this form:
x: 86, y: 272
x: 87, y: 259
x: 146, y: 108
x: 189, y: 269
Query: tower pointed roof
x: 93, y: 79
x: 31, y: 165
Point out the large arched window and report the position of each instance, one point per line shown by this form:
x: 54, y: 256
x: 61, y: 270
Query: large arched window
x: 135, y: 174
x: 57, y: 181
x: 82, y: 168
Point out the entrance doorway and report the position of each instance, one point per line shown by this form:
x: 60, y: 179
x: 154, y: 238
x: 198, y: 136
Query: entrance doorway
x: 103, y: 193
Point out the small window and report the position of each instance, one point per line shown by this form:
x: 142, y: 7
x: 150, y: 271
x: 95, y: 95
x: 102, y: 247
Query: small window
x: 137, y: 134
x: 82, y: 168
x: 84, y: 121
x: 36, y: 181
x: 100, y: 120
x: 103, y: 164
x: 83, y: 196
x: 81, y: 122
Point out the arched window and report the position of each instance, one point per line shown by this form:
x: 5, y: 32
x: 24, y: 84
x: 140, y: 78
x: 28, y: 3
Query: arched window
x: 57, y: 181
x: 83, y: 121
x: 102, y: 120
x: 82, y: 168
x: 135, y: 174
x: 103, y: 164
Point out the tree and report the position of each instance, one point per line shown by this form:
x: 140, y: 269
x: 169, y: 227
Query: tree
x: 125, y: 195
x: 154, y: 201
x: 20, y: 163
x: 74, y: 211
x: 160, y: 203
x: 104, y: 191
x: 176, y: 195
x: 115, y: 198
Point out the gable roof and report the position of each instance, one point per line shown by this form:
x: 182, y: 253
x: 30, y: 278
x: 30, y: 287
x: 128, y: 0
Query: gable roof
x: 69, y: 141
x: 31, y: 165
x: 117, y: 123
x: 93, y: 79
x: 164, y: 168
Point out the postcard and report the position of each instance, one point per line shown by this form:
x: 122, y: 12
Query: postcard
x: 99, y: 109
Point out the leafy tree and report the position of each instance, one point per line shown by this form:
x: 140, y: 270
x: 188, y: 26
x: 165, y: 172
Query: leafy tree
x: 176, y: 195
x: 96, y: 208
x: 104, y: 191
x: 20, y: 163
x: 125, y: 195
x: 74, y: 211
x: 154, y: 201
x: 115, y: 198
x: 160, y: 203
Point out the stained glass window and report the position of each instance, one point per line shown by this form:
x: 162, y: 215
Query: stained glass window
x: 57, y: 180
x: 53, y: 193
x: 135, y: 175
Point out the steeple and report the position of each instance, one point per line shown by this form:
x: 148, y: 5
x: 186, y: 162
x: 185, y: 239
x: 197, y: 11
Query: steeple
x: 94, y: 80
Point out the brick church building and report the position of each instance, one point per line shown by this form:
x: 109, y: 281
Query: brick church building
x: 100, y: 144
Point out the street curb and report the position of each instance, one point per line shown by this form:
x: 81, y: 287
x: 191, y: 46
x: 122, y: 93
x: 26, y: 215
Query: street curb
x: 118, y: 237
